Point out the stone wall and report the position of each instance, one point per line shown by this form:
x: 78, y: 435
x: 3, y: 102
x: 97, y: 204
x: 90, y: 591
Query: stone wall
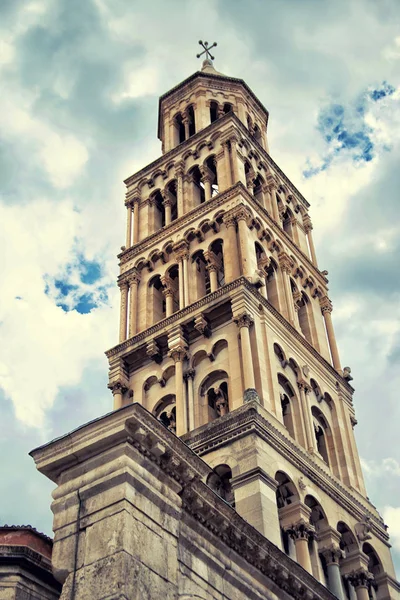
x: 134, y: 519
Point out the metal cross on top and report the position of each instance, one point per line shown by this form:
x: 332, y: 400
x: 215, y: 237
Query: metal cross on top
x: 206, y: 50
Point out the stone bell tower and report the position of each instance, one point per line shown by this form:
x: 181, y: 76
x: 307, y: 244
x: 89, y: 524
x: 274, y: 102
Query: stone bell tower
x: 226, y: 335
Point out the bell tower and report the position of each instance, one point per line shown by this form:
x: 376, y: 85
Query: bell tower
x: 226, y: 335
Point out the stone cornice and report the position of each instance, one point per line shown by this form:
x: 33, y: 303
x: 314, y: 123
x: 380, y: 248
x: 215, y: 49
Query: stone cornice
x: 252, y: 418
x: 31, y: 561
x: 222, y: 292
x: 135, y: 426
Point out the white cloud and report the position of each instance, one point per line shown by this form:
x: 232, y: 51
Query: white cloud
x: 391, y: 517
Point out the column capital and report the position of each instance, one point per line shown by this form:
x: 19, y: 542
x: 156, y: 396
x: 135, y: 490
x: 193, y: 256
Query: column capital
x: 285, y: 262
x: 360, y: 578
x: 307, y: 224
x: 332, y: 554
x: 180, y: 169
x: 181, y: 250
x: 244, y: 320
x: 303, y: 386
x: 178, y: 354
x: 272, y: 183
x: 189, y: 374
x: 240, y: 213
x: 117, y: 387
x: 123, y: 284
x: 229, y: 220
x: 325, y: 304
x: 134, y: 277
x: 206, y: 174
x: 302, y: 530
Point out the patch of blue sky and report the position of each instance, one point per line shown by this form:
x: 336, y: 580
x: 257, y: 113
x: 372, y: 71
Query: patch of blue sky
x: 79, y: 287
x: 345, y: 130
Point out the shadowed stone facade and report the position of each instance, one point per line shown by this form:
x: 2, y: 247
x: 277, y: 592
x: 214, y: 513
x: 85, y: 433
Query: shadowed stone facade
x: 226, y: 341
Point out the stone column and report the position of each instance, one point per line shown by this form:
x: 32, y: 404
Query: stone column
x: 296, y: 299
x: 118, y: 390
x: 129, y: 225
x: 235, y: 159
x: 206, y: 179
x: 241, y: 218
x: 135, y: 220
x: 326, y: 309
x: 123, y: 321
x: 167, y: 206
x: 244, y: 322
x: 185, y: 120
x: 332, y: 556
x: 181, y: 284
x: 274, y: 203
x: 178, y: 355
x: 185, y: 259
x: 212, y: 270
x: 134, y: 280
x: 360, y: 580
x: 285, y: 264
x: 308, y: 229
x: 230, y: 249
x: 267, y: 198
x: 304, y: 390
x: 169, y: 301
x: 301, y: 533
x: 227, y: 164
x: 189, y: 377
x: 179, y: 172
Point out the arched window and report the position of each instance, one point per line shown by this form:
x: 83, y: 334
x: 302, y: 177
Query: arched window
x: 201, y: 274
x: 214, y: 396
x: 321, y: 430
x: 198, y: 195
x: 220, y: 482
x: 287, y: 222
x: 156, y: 302
x: 180, y: 129
x: 192, y: 122
x: 257, y: 190
x: 304, y: 316
x: 227, y: 107
x: 286, y: 394
x: 319, y: 521
x: 213, y: 111
x: 211, y: 166
x: 165, y: 411
x: 286, y: 494
x: 172, y: 194
x: 216, y: 249
x: 159, y: 210
x: 374, y: 564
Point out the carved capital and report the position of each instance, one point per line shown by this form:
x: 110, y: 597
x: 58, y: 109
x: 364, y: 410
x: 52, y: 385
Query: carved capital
x: 134, y: 277
x: 285, y: 262
x: 244, y: 320
x: 178, y: 354
x: 123, y: 285
x: 302, y: 530
x: 240, y: 213
x: 303, y: 386
x: 325, y: 304
x: 181, y: 250
x: 308, y: 226
x: 332, y: 554
x: 229, y: 220
x: 360, y: 578
x: 189, y: 374
x: 117, y: 387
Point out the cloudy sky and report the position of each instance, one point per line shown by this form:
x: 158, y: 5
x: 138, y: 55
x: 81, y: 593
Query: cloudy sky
x: 79, y: 87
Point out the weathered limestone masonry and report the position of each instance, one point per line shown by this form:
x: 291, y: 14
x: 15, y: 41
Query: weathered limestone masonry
x: 134, y: 519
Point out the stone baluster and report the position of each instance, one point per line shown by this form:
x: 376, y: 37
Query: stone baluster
x: 308, y: 229
x: 332, y: 555
x: 244, y: 322
x: 129, y: 224
x: 178, y: 355
x: 123, y: 321
x: 134, y: 279
x: 326, y: 309
x: 189, y: 378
